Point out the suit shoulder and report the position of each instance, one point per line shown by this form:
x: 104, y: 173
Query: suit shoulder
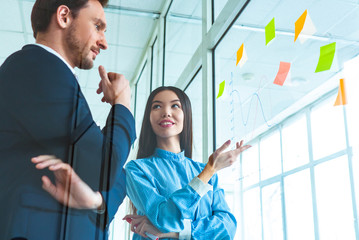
x: 31, y: 58
x: 35, y: 65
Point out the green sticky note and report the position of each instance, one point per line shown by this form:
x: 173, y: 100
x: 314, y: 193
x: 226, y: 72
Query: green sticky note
x: 221, y: 88
x: 326, y: 57
x: 270, y: 31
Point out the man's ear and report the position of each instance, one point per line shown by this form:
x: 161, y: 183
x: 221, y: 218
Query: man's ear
x: 63, y: 16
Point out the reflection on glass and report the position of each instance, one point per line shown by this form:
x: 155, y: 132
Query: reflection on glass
x: 250, y: 167
x: 155, y: 66
x: 218, y: 6
x: 142, y: 93
x: 270, y: 157
x: 335, y: 210
x: 295, y: 144
x: 183, y: 36
x: 194, y: 92
x: 298, y: 204
x: 328, y: 134
x: 272, y: 212
x: 252, y: 223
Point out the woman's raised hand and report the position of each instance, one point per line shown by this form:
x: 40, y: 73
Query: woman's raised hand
x: 220, y: 159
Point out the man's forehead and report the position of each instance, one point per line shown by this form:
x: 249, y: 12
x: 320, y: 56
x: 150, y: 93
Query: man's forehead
x: 96, y: 10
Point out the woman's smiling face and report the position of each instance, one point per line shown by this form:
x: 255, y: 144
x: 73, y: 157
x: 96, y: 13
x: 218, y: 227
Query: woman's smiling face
x: 166, y: 116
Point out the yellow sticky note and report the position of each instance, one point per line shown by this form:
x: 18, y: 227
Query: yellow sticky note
x: 221, y: 88
x: 241, y: 56
x: 299, y: 24
x: 341, y: 97
x: 270, y: 31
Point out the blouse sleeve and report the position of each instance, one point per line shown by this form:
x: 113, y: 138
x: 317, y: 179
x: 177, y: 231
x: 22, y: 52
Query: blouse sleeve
x: 167, y: 214
x: 220, y: 225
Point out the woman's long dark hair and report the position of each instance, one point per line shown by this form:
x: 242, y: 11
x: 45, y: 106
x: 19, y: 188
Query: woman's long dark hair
x: 148, y: 141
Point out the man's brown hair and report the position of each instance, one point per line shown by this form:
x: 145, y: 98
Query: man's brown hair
x: 44, y: 9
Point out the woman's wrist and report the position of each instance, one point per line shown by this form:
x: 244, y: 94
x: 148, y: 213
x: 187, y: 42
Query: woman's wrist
x: 207, y: 173
x: 169, y: 235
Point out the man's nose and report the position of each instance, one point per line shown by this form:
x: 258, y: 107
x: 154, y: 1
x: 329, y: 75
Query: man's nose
x: 102, y: 43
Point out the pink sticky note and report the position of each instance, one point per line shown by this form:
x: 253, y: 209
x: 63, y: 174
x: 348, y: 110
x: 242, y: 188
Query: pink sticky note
x: 282, y: 74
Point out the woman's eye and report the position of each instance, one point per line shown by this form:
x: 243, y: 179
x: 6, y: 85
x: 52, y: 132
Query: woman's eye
x: 176, y: 106
x: 155, y: 106
x: 97, y: 27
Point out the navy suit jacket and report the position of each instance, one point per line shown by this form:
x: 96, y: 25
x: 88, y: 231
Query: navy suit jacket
x: 43, y: 111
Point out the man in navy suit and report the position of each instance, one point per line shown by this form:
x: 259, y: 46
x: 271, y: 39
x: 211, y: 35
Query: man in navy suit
x: 43, y: 111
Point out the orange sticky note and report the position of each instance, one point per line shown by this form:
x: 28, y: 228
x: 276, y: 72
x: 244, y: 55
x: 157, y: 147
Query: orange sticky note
x: 341, y: 98
x: 299, y: 24
x: 304, y: 27
x: 239, y: 54
x: 282, y: 74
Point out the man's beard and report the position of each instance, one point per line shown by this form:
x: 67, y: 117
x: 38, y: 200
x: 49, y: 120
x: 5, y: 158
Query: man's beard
x: 81, y: 59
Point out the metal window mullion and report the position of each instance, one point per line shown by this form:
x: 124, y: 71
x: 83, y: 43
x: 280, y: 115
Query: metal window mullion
x: 241, y: 194
x: 284, y: 216
x: 260, y: 185
x: 151, y: 60
x: 351, y: 174
x: 312, y: 174
x: 208, y: 125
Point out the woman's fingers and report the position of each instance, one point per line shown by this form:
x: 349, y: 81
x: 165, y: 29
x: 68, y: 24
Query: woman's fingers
x: 240, y: 148
x: 140, y: 229
x: 133, y: 228
x: 132, y: 216
x: 223, y: 147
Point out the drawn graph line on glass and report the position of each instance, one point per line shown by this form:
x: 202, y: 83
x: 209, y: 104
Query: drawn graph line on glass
x: 245, y: 122
x: 232, y: 109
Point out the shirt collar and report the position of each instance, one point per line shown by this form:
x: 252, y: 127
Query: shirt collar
x: 169, y: 155
x: 56, y: 54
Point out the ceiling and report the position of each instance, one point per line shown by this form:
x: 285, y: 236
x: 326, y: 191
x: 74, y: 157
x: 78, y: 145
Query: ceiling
x: 132, y: 22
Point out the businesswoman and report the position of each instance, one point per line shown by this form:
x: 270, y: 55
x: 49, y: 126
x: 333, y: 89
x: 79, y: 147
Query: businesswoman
x: 175, y: 196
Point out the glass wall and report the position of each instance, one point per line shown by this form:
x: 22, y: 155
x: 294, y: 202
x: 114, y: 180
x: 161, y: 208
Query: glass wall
x: 183, y: 34
x: 218, y: 6
x: 306, y: 197
x: 194, y: 92
x: 300, y: 163
x: 142, y: 93
x: 155, y: 66
x: 273, y: 69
